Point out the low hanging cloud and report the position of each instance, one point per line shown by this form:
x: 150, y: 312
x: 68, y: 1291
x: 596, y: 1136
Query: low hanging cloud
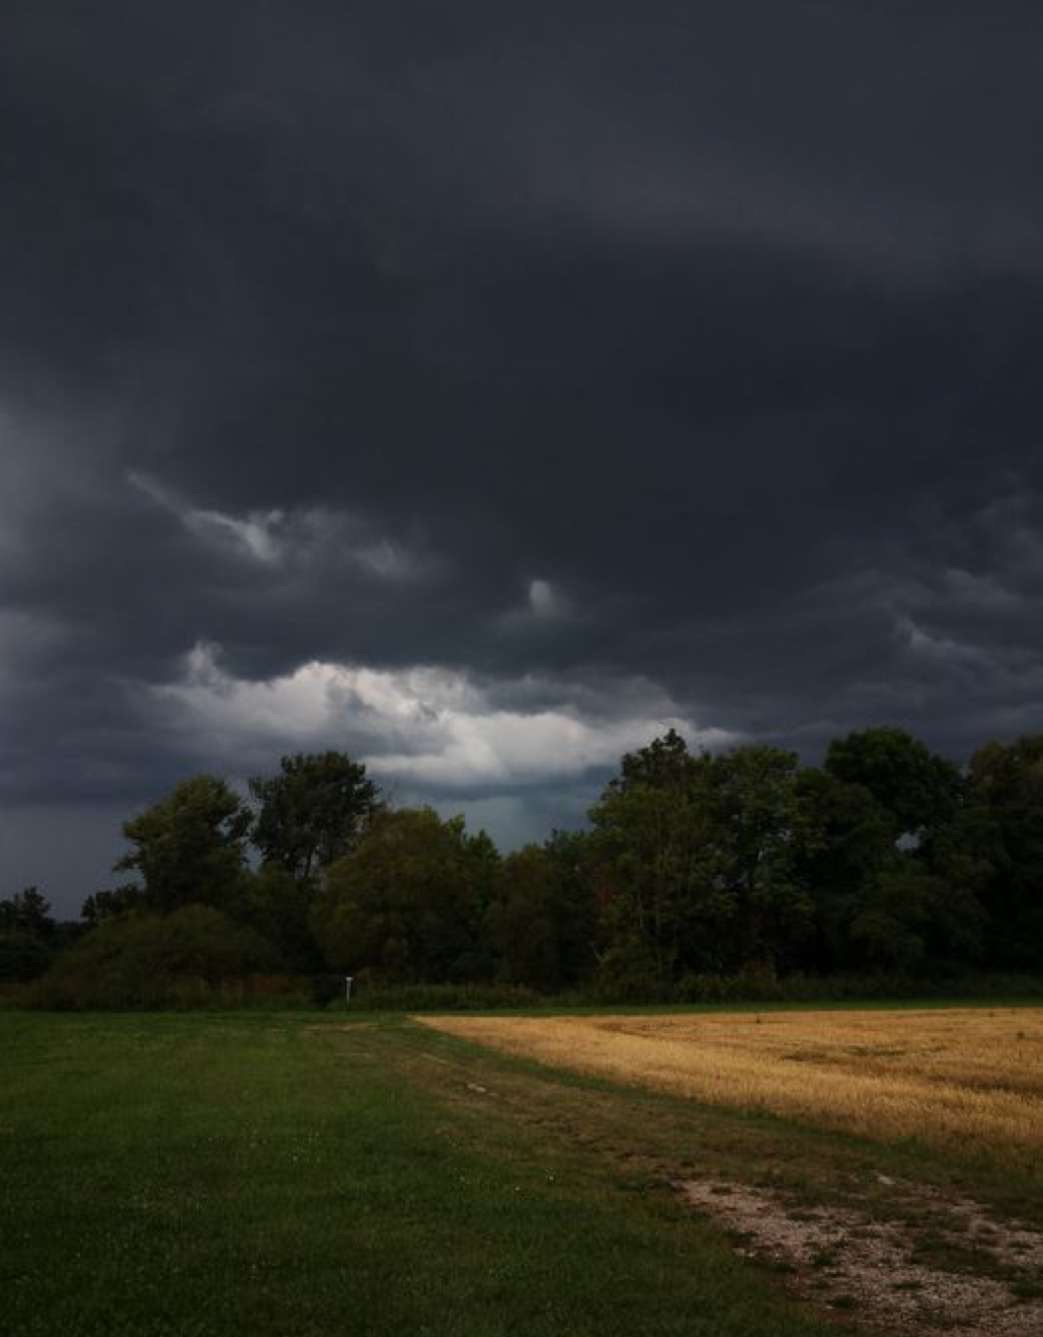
x: 426, y: 728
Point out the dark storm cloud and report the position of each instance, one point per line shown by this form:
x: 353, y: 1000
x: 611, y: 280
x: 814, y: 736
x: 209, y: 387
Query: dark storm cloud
x: 619, y: 371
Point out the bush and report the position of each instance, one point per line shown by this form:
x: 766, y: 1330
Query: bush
x: 22, y: 957
x: 439, y: 997
x: 191, y: 958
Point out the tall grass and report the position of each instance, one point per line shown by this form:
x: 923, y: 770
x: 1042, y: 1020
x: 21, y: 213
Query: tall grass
x: 966, y: 1078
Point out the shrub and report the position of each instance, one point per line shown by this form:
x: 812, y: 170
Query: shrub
x: 22, y: 956
x: 184, y: 959
x: 439, y: 997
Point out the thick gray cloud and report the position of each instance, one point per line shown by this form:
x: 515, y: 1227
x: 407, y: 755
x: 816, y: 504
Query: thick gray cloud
x: 484, y: 394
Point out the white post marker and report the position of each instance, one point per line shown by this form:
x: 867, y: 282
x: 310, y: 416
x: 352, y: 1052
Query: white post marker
x: 347, y: 989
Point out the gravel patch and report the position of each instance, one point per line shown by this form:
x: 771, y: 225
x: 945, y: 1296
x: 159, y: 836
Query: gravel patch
x: 847, y: 1260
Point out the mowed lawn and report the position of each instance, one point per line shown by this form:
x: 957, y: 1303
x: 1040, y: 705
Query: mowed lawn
x: 214, y: 1174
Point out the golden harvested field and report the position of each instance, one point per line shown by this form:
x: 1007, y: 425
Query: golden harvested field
x: 965, y: 1079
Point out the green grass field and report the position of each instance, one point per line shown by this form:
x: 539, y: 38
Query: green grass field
x: 305, y: 1174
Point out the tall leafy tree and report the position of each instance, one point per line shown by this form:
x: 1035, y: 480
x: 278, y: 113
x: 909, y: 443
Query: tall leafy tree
x: 700, y: 861
x: 665, y: 764
x: 313, y: 812
x: 1003, y: 829
x: 766, y: 829
x: 189, y: 848
x: 575, y: 910
x: 276, y: 905
x: 911, y: 919
x: 921, y: 790
x: 520, y: 922
x: 657, y: 876
x: 840, y: 868
x: 920, y: 907
x: 542, y: 922
x: 405, y: 904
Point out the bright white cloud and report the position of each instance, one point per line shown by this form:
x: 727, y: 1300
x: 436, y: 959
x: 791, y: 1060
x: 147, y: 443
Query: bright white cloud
x: 431, y: 728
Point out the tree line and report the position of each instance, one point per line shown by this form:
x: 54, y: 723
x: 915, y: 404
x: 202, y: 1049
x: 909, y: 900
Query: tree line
x: 886, y: 858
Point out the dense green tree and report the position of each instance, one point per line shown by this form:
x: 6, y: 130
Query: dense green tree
x: 657, y: 870
x: 543, y: 924
x: 521, y: 921
x: 665, y: 763
x: 571, y: 859
x: 766, y: 831
x: 701, y: 862
x: 278, y: 906
x: 405, y: 904
x: 484, y: 873
x: 840, y: 867
x: 912, y: 920
x: 189, y: 848
x: 921, y: 790
x: 1001, y: 835
x: 917, y: 907
x: 313, y: 811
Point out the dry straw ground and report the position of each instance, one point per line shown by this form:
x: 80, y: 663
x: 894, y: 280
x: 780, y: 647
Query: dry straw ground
x: 967, y: 1080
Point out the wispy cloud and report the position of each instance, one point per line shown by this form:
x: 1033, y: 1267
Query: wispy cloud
x: 294, y: 537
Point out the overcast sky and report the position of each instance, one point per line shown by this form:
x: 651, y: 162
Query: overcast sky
x: 483, y: 394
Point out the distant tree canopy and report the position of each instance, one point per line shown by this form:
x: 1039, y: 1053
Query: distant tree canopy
x: 313, y: 811
x: 28, y: 912
x: 885, y: 859
x: 28, y: 935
